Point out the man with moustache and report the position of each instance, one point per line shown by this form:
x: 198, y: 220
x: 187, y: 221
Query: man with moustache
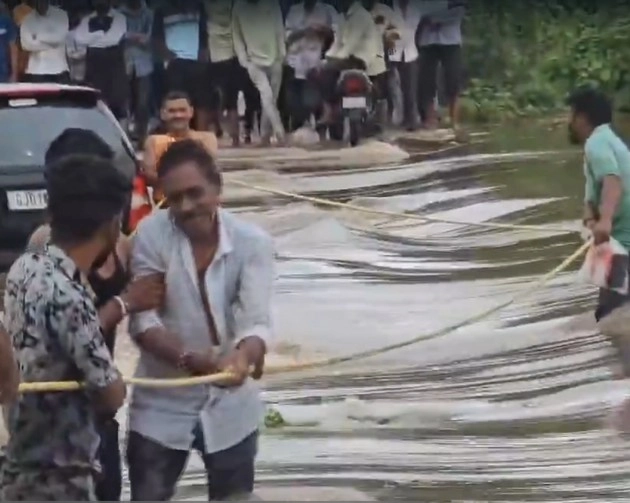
x: 219, y: 273
x: 56, y: 334
x: 607, y: 172
x: 176, y: 113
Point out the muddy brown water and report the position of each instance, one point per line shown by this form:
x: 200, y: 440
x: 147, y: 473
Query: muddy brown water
x: 505, y: 410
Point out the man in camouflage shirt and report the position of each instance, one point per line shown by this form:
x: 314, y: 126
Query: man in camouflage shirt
x: 56, y: 335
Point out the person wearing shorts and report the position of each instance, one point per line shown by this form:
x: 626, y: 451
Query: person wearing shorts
x: 180, y: 32
x: 440, y: 42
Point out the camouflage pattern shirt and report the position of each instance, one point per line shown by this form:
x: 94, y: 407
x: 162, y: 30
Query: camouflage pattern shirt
x: 50, y: 315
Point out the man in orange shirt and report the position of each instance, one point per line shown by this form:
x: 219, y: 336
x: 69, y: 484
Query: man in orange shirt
x: 176, y: 114
x: 20, y: 11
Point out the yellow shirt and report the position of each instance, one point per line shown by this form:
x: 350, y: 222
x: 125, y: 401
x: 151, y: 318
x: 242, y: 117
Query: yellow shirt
x: 19, y: 13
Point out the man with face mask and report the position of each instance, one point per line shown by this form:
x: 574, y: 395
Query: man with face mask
x: 51, y: 317
x: 102, y: 33
x: 43, y: 35
x: 258, y: 32
x: 607, y: 172
x: 217, y: 316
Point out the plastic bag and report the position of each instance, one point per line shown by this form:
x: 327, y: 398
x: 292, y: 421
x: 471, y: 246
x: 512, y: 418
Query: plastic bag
x: 606, y: 266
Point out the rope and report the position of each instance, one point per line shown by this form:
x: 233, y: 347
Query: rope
x: 214, y: 378
x: 38, y: 387
x: 410, y: 216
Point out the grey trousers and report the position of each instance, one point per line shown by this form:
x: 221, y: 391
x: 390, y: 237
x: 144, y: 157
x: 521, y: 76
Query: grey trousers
x: 408, y: 73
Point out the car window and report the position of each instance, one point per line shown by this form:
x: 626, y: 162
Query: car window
x: 27, y: 131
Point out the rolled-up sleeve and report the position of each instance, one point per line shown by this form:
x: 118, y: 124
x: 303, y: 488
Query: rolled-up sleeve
x: 252, y: 309
x: 146, y: 258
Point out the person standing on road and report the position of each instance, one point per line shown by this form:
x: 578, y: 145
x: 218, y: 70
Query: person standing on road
x: 217, y: 316
x: 258, y: 31
x: 102, y: 32
x: 404, y: 57
x: 9, y: 50
x: 607, y: 172
x: 180, y: 33
x: 176, y: 114
x: 50, y: 314
x: 43, y: 35
x: 310, y: 27
x: 20, y: 11
x: 115, y: 295
x: 139, y: 63
x: 440, y: 41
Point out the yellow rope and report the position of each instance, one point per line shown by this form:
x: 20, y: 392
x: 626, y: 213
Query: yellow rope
x: 35, y: 387
x: 394, y: 214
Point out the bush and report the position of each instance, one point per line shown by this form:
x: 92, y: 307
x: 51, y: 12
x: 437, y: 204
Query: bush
x: 523, y: 58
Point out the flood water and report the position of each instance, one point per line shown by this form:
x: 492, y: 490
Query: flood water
x: 505, y: 410
x: 508, y: 409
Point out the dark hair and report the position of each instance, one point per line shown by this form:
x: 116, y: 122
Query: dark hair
x: 84, y: 192
x: 176, y: 95
x: 593, y: 104
x: 77, y: 141
x: 190, y: 150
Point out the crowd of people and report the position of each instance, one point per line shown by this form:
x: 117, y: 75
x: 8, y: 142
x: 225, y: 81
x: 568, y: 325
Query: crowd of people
x: 281, y: 58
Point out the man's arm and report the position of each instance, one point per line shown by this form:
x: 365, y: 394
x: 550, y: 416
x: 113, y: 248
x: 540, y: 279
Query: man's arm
x: 280, y: 37
x: 149, y: 162
x: 237, y: 37
x: 114, y: 35
x: 13, y: 50
x: 253, y: 306
x: 146, y: 327
x: 83, y: 35
x: 78, y: 331
x: 29, y: 40
x: 59, y: 34
x: 9, y: 374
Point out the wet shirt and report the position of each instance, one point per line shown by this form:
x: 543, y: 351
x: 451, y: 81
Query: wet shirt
x: 606, y: 154
x: 51, y: 318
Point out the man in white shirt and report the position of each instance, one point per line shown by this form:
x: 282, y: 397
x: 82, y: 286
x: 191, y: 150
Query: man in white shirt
x: 219, y: 273
x: 358, y: 44
x: 258, y: 31
x: 43, y: 35
x: 404, y: 57
x: 102, y: 33
x: 310, y: 28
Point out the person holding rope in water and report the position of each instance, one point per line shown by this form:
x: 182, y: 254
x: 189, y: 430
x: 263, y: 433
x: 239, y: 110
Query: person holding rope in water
x: 52, y: 319
x: 115, y: 294
x: 219, y: 272
x: 177, y: 113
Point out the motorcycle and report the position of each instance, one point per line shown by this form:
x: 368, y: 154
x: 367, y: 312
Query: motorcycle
x: 355, y: 89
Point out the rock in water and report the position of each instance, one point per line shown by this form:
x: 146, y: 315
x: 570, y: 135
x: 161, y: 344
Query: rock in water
x: 305, y: 136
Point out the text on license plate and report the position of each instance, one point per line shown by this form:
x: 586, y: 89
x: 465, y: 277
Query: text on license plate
x: 354, y: 102
x: 26, y: 200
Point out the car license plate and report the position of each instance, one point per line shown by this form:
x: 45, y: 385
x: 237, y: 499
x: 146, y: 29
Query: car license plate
x: 354, y: 102
x: 27, y: 200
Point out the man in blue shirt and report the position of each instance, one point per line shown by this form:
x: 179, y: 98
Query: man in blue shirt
x: 8, y: 47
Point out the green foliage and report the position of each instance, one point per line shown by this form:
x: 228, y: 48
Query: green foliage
x: 523, y: 58
x: 273, y: 418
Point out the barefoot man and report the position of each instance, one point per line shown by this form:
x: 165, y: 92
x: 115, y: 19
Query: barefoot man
x: 176, y: 113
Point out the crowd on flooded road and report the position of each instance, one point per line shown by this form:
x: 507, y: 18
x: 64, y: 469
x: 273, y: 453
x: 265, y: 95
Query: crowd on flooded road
x: 245, y: 64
